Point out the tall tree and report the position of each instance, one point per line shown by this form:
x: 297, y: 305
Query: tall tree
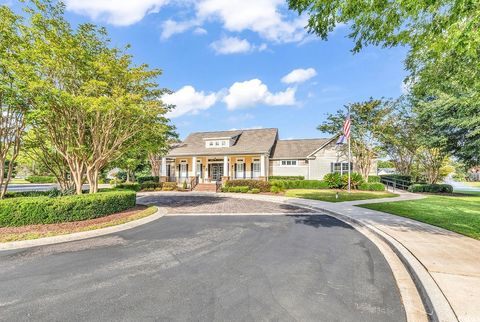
x: 15, y: 71
x: 368, y: 123
x: 443, y: 45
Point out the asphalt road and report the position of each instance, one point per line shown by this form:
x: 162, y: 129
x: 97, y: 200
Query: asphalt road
x: 299, y: 267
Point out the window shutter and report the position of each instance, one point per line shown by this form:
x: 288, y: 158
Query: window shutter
x: 331, y: 167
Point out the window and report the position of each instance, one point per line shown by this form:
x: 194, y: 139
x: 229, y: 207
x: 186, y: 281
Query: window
x: 210, y: 143
x: 199, y: 169
x: 340, y: 167
x: 217, y: 143
x: 183, y: 170
x: 240, y: 170
x: 256, y: 169
x: 224, y: 143
x: 289, y: 162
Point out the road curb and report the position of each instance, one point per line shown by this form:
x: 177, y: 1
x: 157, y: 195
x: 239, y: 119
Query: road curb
x: 81, y: 235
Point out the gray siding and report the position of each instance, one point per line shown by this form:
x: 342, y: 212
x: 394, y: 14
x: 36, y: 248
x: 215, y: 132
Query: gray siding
x: 276, y: 169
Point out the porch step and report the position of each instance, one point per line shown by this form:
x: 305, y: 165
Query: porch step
x: 207, y: 187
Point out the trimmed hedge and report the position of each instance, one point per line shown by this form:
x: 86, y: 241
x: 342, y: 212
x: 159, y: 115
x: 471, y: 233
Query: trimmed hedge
x: 44, y: 210
x: 286, y: 178
x: 129, y: 186
x: 148, y: 179
x: 150, y: 186
x: 263, y: 186
x: 300, y: 184
x: 371, y: 186
x: 169, y: 186
x: 41, y: 179
x: 433, y: 188
x: 397, y: 177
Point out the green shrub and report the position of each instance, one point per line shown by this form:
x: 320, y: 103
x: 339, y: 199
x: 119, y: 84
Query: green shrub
x: 44, y: 210
x: 150, y: 186
x: 371, y: 186
x: 300, y: 184
x: 397, y: 177
x: 148, y: 179
x: 373, y: 179
x: 169, y: 186
x: 255, y: 191
x: 356, y: 179
x: 129, y: 186
x: 333, y: 180
x: 239, y: 189
x: 276, y: 189
x: 264, y: 186
x: 432, y: 188
x: 286, y: 178
x: 41, y: 179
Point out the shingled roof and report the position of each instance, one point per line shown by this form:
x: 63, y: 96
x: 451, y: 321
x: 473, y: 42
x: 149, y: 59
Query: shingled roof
x: 247, y: 142
x: 297, y: 149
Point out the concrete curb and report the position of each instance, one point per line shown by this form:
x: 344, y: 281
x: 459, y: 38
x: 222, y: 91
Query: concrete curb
x: 81, y: 235
x: 434, y: 302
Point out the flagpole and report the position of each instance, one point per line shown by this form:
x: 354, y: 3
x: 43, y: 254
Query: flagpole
x: 349, y: 157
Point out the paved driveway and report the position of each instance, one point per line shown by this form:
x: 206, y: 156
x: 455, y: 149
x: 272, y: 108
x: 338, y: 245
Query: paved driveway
x: 293, y: 267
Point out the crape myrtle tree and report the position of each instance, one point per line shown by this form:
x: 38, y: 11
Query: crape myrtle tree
x: 368, y: 122
x: 91, y: 101
x: 15, y: 102
x: 443, y: 45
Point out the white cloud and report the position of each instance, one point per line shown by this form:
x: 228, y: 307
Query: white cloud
x: 235, y: 45
x: 200, y: 31
x: 188, y: 101
x: 299, y: 75
x: 116, y: 12
x: 231, y: 45
x: 172, y: 27
x: 252, y: 92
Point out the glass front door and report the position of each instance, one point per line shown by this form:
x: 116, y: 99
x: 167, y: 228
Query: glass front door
x: 217, y: 171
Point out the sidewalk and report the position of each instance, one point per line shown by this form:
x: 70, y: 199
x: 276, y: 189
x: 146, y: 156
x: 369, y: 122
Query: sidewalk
x: 447, y: 264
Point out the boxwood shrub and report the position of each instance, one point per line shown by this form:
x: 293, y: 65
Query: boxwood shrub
x: 373, y: 179
x: 44, y: 210
x: 433, y: 188
x: 286, y: 178
x: 263, y: 186
x: 129, y: 186
x: 169, y: 186
x: 148, y: 179
x: 371, y: 186
x: 150, y: 186
x: 300, y: 184
x: 41, y: 179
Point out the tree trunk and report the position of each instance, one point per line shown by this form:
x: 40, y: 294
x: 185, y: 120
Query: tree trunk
x: 92, y: 178
x: 155, y: 161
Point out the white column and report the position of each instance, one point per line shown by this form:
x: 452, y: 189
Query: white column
x: 164, y: 167
x: 194, y: 166
x: 225, y: 166
x: 262, y: 165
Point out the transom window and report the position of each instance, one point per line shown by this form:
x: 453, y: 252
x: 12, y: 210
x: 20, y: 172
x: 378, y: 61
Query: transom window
x: 289, y: 162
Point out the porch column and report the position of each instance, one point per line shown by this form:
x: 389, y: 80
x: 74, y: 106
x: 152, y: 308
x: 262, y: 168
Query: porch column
x: 262, y: 165
x: 194, y: 166
x: 163, y: 170
x: 225, y: 166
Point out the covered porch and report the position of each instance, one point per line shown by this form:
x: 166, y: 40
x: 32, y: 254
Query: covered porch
x: 213, y: 169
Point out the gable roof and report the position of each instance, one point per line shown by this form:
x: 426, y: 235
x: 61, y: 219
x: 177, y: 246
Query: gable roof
x: 245, y: 142
x: 297, y: 149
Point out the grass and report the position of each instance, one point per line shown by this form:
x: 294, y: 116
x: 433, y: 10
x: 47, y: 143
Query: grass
x: 460, y: 214
x: 34, y: 235
x: 18, y: 181
x: 330, y: 194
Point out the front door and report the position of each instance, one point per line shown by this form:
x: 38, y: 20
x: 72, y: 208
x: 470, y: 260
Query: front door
x: 217, y: 171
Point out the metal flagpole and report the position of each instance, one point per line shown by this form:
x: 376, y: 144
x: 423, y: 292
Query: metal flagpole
x: 349, y: 154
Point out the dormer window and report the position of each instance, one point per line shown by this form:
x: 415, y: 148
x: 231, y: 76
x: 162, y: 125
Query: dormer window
x: 218, y: 143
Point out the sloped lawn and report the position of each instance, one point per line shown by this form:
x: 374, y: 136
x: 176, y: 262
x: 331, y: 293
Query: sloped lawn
x: 330, y: 194
x: 460, y: 214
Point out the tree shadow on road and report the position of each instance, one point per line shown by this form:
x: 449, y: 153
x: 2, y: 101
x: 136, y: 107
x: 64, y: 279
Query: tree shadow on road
x: 318, y: 221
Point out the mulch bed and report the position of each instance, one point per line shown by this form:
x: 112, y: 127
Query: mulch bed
x: 71, y: 226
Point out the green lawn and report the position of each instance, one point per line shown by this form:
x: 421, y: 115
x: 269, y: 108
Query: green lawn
x: 330, y: 195
x: 475, y: 184
x: 18, y: 181
x: 460, y: 214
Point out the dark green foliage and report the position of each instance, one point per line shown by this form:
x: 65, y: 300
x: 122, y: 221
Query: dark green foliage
x: 373, y: 179
x: 356, y: 179
x: 129, y: 186
x: 371, y: 186
x: 44, y: 210
x: 300, y: 184
x: 432, y: 188
x: 333, y: 180
x: 286, y: 178
x: 150, y: 186
x: 41, y: 179
x: 264, y: 186
x: 237, y: 189
x: 148, y: 178
x: 396, y: 177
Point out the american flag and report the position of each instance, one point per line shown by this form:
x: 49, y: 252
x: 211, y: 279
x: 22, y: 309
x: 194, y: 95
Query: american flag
x: 346, y: 127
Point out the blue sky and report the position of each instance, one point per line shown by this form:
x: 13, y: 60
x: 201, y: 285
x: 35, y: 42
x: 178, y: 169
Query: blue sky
x: 228, y: 62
